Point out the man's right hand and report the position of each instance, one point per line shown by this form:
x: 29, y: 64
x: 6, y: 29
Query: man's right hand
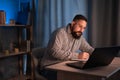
x: 83, y: 55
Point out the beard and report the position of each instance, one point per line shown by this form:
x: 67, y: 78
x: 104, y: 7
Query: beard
x: 76, y: 35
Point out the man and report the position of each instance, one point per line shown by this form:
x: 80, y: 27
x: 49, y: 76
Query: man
x: 66, y: 41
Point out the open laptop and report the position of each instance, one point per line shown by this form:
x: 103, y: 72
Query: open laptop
x: 99, y: 57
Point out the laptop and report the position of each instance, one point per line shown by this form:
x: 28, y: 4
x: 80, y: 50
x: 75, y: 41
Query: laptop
x: 99, y: 57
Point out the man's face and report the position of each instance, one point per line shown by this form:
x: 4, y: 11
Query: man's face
x: 77, y: 28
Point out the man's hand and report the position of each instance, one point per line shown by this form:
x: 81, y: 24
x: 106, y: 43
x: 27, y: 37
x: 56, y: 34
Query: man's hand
x: 83, y: 55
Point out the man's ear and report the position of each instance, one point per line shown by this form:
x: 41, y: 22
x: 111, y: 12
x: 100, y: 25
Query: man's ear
x: 72, y: 23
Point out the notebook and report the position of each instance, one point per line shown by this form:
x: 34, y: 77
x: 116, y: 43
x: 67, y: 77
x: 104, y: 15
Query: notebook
x: 100, y: 57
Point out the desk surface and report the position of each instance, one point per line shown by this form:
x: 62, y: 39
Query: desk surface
x: 104, y: 71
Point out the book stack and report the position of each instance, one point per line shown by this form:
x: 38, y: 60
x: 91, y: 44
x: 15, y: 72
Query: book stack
x: 2, y: 17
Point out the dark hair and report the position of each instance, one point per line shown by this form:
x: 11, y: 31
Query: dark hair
x: 78, y: 17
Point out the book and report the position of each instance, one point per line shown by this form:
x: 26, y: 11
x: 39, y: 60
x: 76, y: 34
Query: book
x: 2, y: 17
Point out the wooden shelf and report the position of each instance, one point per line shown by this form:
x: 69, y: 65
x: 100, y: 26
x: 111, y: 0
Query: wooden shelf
x: 3, y: 55
x: 15, y: 25
x: 17, y: 77
x: 23, y: 33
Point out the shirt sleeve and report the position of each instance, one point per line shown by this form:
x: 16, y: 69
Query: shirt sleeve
x: 56, y: 50
x: 85, y: 46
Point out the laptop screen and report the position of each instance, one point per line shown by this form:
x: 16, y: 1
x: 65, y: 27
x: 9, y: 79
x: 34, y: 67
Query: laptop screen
x: 99, y: 57
x: 102, y: 56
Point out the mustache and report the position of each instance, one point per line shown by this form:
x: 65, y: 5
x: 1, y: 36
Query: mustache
x: 78, y: 32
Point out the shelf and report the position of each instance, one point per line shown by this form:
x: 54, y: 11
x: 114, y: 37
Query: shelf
x: 3, y: 55
x: 14, y: 25
x: 19, y: 78
x: 23, y: 40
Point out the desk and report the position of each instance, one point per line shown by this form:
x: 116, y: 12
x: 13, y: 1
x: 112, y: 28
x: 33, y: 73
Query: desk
x: 110, y: 72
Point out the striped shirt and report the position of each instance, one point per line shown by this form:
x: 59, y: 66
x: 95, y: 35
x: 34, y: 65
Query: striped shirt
x: 62, y: 46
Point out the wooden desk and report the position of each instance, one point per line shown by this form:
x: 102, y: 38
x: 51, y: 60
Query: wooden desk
x: 110, y: 72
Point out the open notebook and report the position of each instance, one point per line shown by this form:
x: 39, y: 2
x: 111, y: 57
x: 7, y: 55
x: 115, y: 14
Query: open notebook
x: 99, y: 57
